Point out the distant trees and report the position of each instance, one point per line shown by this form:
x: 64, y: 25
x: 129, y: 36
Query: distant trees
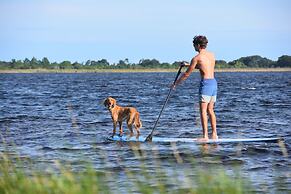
x: 122, y: 64
x: 101, y: 64
x: 221, y: 64
x: 45, y: 63
x: 283, y: 61
x: 243, y: 62
x: 149, y: 63
x: 254, y: 61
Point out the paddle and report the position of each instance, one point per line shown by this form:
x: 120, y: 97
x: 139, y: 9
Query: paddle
x: 150, y: 136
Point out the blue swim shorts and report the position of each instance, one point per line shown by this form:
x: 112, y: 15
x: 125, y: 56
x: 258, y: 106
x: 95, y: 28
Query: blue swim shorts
x: 208, y: 90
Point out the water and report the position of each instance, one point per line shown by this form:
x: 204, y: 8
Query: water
x: 49, y: 117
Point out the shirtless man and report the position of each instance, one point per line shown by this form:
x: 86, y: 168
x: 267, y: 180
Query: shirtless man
x: 205, y: 62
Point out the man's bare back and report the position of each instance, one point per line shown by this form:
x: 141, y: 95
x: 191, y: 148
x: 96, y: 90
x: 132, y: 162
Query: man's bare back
x: 204, y: 61
x: 205, y: 64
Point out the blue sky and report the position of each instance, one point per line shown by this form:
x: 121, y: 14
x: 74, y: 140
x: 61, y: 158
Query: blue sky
x: 78, y: 30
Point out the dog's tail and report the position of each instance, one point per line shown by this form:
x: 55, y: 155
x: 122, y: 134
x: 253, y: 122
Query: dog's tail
x: 137, y: 121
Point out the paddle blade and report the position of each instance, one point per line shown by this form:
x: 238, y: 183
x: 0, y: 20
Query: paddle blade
x: 149, y: 138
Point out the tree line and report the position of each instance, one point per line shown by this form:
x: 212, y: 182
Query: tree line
x: 255, y: 61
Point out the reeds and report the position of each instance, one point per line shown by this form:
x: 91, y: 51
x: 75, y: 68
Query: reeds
x: 20, y: 176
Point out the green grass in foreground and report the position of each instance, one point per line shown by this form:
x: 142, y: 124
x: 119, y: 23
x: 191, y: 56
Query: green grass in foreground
x: 16, y: 179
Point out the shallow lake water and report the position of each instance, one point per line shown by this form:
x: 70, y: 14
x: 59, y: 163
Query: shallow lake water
x: 49, y: 117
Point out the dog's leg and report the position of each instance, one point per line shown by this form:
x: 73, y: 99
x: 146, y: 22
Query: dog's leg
x: 120, y: 128
x: 137, y: 124
x: 114, y: 128
x: 130, y: 129
x: 129, y: 125
x: 138, y: 132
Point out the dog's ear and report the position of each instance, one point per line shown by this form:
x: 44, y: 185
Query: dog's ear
x: 105, y: 102
x: 113, y: 101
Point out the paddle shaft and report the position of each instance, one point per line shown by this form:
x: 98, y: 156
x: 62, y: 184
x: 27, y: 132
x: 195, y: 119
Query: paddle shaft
x: 150, y: 136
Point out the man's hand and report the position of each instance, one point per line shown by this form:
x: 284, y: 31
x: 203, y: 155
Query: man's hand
x: 184, y: 64
x: 173, y: 86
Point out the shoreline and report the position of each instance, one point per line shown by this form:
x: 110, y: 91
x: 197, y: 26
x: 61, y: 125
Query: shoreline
x: 136, y: 70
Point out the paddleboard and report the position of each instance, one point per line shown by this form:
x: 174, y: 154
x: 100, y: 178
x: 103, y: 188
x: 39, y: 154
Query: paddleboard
x: 125, y: 138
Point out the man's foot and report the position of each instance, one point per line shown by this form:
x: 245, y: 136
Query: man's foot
x: 214, y: 137
x: 204, y: 139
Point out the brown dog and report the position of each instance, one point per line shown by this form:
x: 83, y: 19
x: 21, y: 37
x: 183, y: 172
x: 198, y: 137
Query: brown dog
x: 119, y: 114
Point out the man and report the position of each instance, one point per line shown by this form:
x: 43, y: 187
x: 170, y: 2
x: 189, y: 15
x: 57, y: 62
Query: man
x: 205, y: 62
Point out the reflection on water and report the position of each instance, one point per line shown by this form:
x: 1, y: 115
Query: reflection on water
x: 50, y: 117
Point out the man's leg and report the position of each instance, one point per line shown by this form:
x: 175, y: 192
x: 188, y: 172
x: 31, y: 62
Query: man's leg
x: 204, y: 120
x: 212, y: 117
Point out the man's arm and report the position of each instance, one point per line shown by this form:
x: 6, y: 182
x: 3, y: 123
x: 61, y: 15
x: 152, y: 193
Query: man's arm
x: 185, y: 75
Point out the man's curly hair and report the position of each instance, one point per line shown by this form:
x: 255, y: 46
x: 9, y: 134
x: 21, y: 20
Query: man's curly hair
x: 201, y: 40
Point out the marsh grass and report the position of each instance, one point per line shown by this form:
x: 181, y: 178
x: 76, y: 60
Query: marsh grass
x: 15, y: 179
x: 18, y: 176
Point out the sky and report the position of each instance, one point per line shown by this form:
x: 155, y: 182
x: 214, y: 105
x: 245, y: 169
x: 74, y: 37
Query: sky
x: 81, y: 30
